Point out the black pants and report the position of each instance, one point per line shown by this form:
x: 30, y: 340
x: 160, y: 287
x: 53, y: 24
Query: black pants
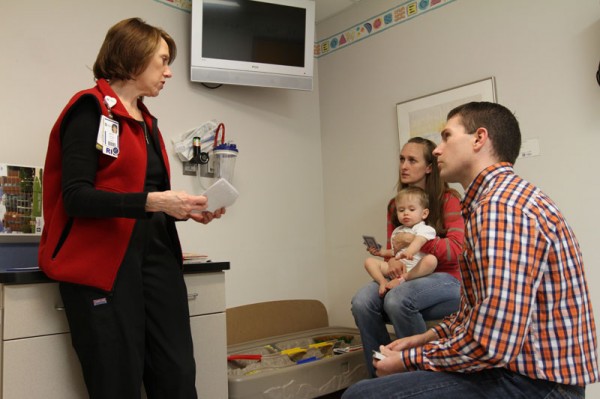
x: 141, y: 330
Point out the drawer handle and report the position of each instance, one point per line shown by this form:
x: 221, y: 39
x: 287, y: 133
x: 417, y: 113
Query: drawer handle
x: 59, y: 308
x: 192, y: 297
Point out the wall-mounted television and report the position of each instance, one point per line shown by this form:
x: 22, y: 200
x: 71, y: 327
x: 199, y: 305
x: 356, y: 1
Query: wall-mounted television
x: 267, y: 43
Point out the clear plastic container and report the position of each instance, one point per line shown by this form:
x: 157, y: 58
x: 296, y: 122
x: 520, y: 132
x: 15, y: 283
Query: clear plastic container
x: 224, y: 160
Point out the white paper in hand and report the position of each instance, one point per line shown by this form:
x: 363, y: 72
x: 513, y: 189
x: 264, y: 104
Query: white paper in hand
x: 220, y: 194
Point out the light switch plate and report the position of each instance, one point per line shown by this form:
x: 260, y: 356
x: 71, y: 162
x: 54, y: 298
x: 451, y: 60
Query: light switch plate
x: 530, y: 148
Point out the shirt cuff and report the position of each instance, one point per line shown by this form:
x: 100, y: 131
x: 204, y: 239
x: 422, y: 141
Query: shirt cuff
x: 412, y: 358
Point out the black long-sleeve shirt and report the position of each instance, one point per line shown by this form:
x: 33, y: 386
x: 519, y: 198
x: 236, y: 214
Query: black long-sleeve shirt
x: 79, y: 165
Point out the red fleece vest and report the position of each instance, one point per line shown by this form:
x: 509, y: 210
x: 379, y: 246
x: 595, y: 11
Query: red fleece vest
x: 89, y: 251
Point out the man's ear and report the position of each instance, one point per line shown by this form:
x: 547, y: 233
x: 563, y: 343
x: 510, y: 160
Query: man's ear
x: 481, y: 137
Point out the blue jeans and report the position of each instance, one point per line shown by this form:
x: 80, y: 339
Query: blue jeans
x: 488, y: 384
x: 406, y: 306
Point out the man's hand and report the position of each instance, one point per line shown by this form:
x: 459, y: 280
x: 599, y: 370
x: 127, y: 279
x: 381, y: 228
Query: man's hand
x: 393, y: 360
x: 392, y: 363
x: 412, y: 341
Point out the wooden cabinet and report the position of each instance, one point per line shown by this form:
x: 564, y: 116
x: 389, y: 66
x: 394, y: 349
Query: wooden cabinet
x: 38, y: 361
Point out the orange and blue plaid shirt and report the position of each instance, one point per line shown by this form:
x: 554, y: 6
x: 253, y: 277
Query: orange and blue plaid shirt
x: 524, y: 300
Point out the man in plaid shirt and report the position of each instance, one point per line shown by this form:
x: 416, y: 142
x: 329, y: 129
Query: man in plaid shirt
x: 525, y: 326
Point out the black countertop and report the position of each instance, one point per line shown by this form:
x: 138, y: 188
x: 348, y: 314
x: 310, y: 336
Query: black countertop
x: 19, y: 256
x: 28, y: 275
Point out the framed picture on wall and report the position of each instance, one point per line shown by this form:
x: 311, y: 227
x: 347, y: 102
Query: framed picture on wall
x: 426, y: 116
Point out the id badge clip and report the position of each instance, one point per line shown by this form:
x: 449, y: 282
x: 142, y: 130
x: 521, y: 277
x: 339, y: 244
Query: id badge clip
x: 108, y: 137
x: 108, y: 131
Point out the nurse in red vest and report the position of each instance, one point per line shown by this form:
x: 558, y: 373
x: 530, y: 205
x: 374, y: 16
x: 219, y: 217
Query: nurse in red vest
x: 109, y: 225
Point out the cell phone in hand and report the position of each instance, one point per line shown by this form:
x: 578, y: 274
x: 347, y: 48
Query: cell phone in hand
x: 378, y: 355
x: 371, y: 242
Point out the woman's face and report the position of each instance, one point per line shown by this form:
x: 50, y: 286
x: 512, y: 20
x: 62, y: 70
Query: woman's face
x: 152, y: 80
x: 413, y: 166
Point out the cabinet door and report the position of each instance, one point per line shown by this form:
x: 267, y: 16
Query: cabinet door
x: 206, y: 292
x: 210, y: 352
x: 42, y: 367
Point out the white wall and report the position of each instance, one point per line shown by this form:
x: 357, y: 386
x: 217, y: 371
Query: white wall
x: 274, y: 234
x: 544, y: 55
x: 287, y: 236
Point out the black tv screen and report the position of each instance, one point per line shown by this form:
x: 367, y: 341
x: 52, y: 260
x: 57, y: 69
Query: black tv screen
x: 254, y: 32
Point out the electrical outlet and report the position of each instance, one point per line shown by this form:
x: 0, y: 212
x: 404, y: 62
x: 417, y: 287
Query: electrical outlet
x: 190, y: 169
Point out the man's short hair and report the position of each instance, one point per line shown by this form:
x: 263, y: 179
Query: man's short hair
x: 499, y: 121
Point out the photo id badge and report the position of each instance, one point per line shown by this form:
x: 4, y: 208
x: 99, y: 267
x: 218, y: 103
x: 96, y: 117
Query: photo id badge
x: 108, y: 137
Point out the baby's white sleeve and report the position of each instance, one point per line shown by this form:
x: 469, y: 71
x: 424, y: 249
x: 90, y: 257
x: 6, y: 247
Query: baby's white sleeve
x: 425, y: 231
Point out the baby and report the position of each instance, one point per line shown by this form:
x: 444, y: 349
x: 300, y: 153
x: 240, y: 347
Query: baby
x: 412, y: 207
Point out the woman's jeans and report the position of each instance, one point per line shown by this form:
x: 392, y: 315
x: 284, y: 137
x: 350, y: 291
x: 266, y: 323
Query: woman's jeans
x: 406, y: 306
x: 487, y: 384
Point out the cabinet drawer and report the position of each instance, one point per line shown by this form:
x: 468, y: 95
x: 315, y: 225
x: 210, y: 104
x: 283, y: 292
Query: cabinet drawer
x: 206, y: 292
x: 42, y: 367
x: 32, y: 310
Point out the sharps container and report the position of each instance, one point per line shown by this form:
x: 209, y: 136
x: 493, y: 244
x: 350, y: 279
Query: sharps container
x: 224, y: 158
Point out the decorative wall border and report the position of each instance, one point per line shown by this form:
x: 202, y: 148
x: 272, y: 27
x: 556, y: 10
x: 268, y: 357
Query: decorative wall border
x: 392, y: 17
x: 185, y: 5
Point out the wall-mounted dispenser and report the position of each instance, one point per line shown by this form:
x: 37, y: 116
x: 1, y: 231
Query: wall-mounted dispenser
x: 202, y: 154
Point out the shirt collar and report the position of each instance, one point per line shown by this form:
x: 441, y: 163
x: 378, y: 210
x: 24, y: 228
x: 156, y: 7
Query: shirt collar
x: 482, y: 183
